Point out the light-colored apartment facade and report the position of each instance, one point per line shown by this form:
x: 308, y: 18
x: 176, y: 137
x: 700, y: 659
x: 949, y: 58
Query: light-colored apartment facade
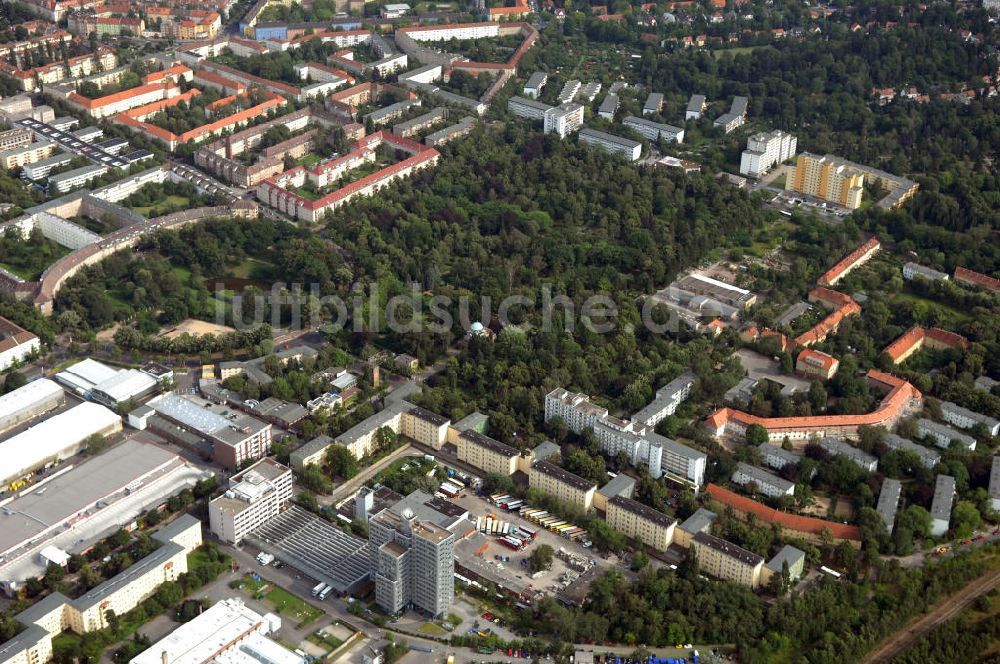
x: 634, y: 519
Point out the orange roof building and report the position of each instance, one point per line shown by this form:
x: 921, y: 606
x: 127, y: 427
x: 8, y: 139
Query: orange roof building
x: 852, y: 260
x: 917, y: 337
x: 900, y: 397
x: 808, y: 526
x: 816, y: 364
x: 968, y: 277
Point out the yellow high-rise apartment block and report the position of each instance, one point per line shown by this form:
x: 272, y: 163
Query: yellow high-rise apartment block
x: 828, y: 178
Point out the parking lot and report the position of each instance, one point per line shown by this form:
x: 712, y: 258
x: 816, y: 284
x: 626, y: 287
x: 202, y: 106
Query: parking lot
x: 512, y: 574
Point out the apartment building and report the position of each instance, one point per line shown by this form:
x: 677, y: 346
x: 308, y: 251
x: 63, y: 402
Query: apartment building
x: 414, y: 562
x: 18, y: 137
x: 695, y: 107
x: 612, y: 144
x: 533, y: 88
x: 816, y: 364
x: 928, y: 457
x: 699, y: 522
x: 424, y: 427
x: 634, y: 519
x: 837, y: 447
x: 735, y: 117
x: 487, y: 454
x: 642, y: 445
x: 944, y: 498
x: 78, y: 177
x: 563, y: 485
x: 913, y: 270
x: 120, y: 102
x: 828, y: 178
x: 619, y: 485
x: 964, y: 418
x: 943, y: 435
x: 56, y: 613
x: 654, y: 103
x: 888, y: 502
x: 765, y: 150
x: 41, y: 169
x: 725, y: 560
x: 563, y: 119
x: 918, y: 337
x: 973, y: 279
x: 766, y: 483
x: 790, y: 558
x: 654, y: 131
x: 775, y: 457
x: 855, y: 259
x: 667, y: 399
x: 569, y: 91
x: 28, y: 154
x: 254, y: 496
x: 900, y: 399
x: 608, y: 107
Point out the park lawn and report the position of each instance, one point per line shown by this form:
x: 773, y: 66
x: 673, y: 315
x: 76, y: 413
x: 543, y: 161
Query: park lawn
x: 285, y: 602
x: 432, y: 630
x: 736, y: 50
x: 167, y: 203
x: 308, y: 160
x: 251, y: 268
x: 304, y: 193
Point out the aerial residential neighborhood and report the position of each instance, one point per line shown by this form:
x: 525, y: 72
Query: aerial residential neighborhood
x: 645, y: 332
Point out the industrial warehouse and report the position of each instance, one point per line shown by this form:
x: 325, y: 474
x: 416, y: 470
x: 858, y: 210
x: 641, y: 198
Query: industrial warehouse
x: 72, y: 510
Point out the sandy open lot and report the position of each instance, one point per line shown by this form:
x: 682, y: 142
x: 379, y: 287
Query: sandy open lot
x: 197, y: 327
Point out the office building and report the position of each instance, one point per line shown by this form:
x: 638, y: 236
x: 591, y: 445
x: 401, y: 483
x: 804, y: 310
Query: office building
x: 699, y: 522
x: 226, y: 633
x: 563, y: 485
x: 533, y: 88
x: 928, y: 457
x: 964, y: 418
x: 654, y: 131
x: 254, y: 496
x: 612, y: 144
x: 230, y: 437
x: 667, y: 399
x: 765, y: 150
x: 944, y: 435
x: 413, y: 562
x: 790, y: 558
x: 913, y: 270
x: 837, y: 447
x: 487, y: 454
x: 563, y: 119
x: 636, y: 520
x: 764, y: 482
x: 725, y: 560
x: 888, y: 502
x: 944, y: 497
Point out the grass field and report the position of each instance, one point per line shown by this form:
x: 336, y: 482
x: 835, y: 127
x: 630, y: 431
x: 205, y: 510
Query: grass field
x: 165, y: 206
x: 308, y: 160
x: 280, y: 600
x: 325, y: 640
x: 432, y: 630
x: 737, y: 50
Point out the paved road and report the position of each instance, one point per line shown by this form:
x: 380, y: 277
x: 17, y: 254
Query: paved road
x: 940, y: 614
